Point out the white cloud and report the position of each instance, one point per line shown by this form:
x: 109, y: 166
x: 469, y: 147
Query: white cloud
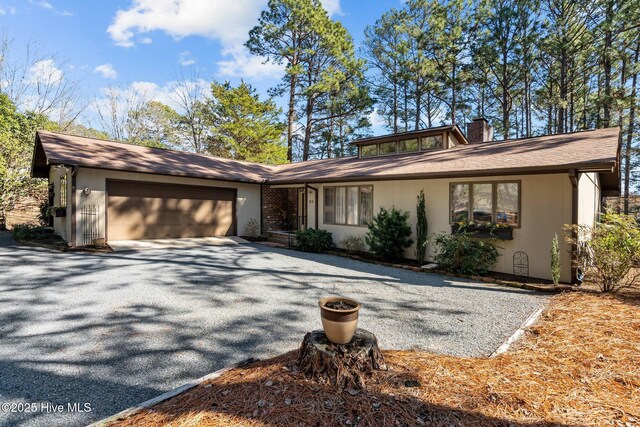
x: 332, y: 7
x: 45, y: 71
x: 227, y: 21
x: 243, y: 64
x: 107, y: 71
x: 223, y: 20
x: 378, y: 123
x: 141, y: 91
x: 187, y: 59
x: 43, y: 4
x: 146, y: 40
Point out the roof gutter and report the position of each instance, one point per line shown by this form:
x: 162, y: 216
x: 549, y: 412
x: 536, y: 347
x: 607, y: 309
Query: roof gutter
x: 460, y: 174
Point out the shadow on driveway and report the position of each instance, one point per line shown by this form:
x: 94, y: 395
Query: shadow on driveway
x: 117, y: 329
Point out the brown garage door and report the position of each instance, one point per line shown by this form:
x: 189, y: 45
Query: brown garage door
x: 138, y: 210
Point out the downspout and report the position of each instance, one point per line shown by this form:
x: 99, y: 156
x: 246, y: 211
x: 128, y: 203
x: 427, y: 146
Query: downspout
x: 574, y: 178
x: 305, y: 209
x: 261, y: 212
x: 74, y: 174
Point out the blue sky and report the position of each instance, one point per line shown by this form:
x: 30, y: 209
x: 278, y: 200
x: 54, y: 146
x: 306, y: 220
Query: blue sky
x: 148, y: 43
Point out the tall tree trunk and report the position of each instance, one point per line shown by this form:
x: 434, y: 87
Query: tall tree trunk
x: 606, y: 65
x: 418, y: 106
x: 585, y: 124
x: 428, y: 110
x: 550, y: 108
x: 453, y: 94
x: 506, y: 101
x: 291, y: 116
x: 563, y: 92
x: 395, y: 105
x: 405, y: 113
x: 308, y: 128
x: 632, y: 117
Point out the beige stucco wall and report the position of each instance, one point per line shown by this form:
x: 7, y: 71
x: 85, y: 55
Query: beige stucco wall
x: 247, y: 203
x: 588, y: 198
x: 545, y: 203
x: 62, y: 226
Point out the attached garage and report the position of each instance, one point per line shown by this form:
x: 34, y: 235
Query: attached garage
x: 143, y: 210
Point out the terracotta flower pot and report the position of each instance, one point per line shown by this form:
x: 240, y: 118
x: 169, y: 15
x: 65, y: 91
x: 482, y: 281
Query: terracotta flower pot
x: 339, y: 324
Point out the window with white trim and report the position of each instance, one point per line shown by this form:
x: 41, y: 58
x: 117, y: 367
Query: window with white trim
x: 348, y: 205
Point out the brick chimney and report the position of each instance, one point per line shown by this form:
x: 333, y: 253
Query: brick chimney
x: 479, y: 130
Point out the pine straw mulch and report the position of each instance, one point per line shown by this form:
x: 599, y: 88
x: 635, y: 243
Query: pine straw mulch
x: 578, y: 365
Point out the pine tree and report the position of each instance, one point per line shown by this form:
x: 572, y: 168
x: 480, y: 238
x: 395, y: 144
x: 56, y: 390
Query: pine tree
x: 244, y: 126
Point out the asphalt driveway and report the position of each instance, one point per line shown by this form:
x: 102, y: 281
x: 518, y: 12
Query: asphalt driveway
x: 113, y: 330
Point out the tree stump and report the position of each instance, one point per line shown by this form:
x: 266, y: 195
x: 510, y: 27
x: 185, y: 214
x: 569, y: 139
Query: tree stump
x: 342, y: 365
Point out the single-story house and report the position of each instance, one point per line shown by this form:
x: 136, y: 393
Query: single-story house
x: 531, y: 186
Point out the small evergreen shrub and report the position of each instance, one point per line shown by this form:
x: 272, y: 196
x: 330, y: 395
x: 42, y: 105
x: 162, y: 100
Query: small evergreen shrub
x: 422, y: 229
x: 389, y: 234
x: 34, y: 233
x: 555, y: 260
x: 460, y: 253
x: 353, y: 244
x: 312, y: 240
x: 609, y: 251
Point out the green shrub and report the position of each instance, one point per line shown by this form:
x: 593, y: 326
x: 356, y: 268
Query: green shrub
x: 555, y: 260
x: 312, y: 240
x: 460, y: 253
x: 422, y: 229
x: 35, y: 233
x: 353, y: 243
x: 24, y: 232
x: 608, y: 251
x: 389, y: 234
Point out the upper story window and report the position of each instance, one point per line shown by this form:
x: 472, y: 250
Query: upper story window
x: 370, y: 150
x: 63, y: 191
x: 431, y: 142
x: 409, y: 145
x: 485, y: 202
x: 388, y: 148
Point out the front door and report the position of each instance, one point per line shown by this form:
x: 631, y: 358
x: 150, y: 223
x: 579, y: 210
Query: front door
x: 302, y: 209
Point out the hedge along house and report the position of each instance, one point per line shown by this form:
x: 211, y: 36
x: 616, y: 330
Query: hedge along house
x: 530, y: 187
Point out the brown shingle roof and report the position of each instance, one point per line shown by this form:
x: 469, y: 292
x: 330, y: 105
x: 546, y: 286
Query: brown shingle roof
x: 95, y: 153
x: 587, y: 150
x: 580, y: 150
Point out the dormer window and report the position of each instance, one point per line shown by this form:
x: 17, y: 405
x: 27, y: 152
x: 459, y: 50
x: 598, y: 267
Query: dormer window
x: 388, y: 148
x: 431, y: 142
x: 408, y: 145
x: 370, y: 150
x: 414, y: 141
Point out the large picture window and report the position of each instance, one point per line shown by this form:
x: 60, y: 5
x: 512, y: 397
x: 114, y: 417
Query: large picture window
x: 352, y: 205
x: 485, y: 202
